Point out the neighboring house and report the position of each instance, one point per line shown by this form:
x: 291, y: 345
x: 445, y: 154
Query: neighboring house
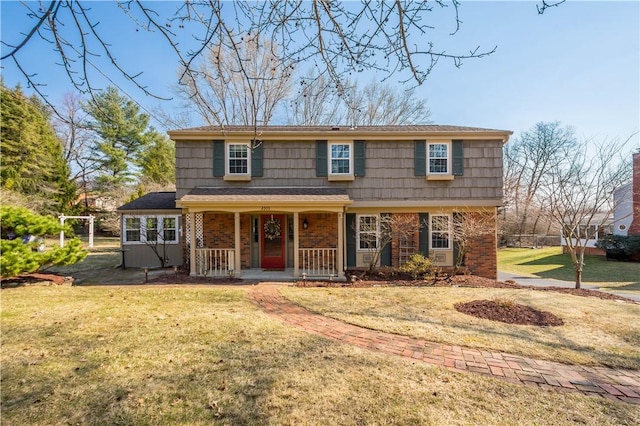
x: 310, y: 200
x: 600, y: 225
x: 97, y: 203
x: 627, y: 203
x: 151, y: 227
x: 623, y: 209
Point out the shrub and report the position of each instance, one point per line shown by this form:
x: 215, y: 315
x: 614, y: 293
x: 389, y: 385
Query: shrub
x: 620, y: 247
x: 419, y: 266
x: 21, y: 246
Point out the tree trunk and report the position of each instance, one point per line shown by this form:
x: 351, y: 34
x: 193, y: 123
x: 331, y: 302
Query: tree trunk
x: 578, y: 277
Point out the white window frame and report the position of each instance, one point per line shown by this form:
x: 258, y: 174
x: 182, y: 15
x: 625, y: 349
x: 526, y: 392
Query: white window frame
x: 143, y: 231
x: 165, y: 229
x: 432, y: 220
x: 227, y: 159
x: 126, y: 229
x: 330, y: 158
x: 448, y: 145
x: 358, y: 232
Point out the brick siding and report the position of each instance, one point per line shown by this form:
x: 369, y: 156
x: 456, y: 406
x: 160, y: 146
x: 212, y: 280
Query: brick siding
x: 482, y: 256
x: 412, y: 219
x: 322, y: 231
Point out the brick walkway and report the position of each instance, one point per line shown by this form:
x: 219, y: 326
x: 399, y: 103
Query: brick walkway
x: 610, y: 383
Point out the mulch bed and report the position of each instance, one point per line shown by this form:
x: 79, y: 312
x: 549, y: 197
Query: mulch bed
x: 185, y: 278
x: 36, y: 279
x: 508, y: 312
x: 459, y: 281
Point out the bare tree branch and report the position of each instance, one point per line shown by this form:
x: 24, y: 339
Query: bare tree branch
x: 548, y: 4
x: 340, y: 38
x: 580, y: 193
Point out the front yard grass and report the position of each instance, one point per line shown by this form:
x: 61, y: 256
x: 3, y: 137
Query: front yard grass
x: 205, y: 355
x: 550, y: 262
x: 596, y: 332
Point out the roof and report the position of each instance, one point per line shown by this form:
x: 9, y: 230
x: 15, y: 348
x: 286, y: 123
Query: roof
x: 152, y: 201
x: 291, y: 199
x: 423, y: 128
x: 256, y: 194
x: 338, y: 131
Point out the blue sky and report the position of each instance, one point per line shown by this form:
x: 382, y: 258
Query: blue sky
x: 578, y: 64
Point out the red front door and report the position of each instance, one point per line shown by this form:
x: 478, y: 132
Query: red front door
x: 273, y: 231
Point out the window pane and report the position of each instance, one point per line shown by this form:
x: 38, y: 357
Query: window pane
x: 152, y: 229
x: 340, y: 158
x: 133, y: 235
x: 169, y: 235
x: 439, y: 240
x: 238, y: 159
x: 438, y: 158
x: 367, y: 232
x: 440, y: 231
x: 132, y: 225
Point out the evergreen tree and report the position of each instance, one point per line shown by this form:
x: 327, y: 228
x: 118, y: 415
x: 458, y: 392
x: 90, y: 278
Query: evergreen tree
x: 121, y: 129
x: 33, y: 163
x: 157, y: 162
x: 22, y: 248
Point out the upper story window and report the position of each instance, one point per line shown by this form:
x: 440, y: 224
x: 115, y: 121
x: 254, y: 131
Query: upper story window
x: 238, y: 159
x: 340, y: 159
x: 150, y: 229
x: 368, y: 232
x: 440, y: 231
x: 439, y: 158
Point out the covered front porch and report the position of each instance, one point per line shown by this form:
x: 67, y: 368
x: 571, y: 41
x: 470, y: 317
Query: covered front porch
x: 237, y: 231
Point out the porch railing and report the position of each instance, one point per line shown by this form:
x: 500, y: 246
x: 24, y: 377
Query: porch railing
x: 215, y: 262
x: 318, y: 261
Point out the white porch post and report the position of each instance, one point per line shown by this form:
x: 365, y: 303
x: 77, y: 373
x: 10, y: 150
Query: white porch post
x: 236, y: 217
x: 192, y: 244
x: 340, y: 259
x: 296, y: 245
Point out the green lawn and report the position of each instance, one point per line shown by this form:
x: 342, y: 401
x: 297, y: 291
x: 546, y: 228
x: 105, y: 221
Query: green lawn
x: 204, y: 355
x: 549, y: 262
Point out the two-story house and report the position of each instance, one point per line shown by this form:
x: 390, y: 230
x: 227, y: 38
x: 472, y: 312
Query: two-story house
x: 311, y: 200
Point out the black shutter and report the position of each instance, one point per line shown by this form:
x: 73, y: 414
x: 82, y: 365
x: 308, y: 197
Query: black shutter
x: 385, y: 254
x: 351, y: 240
x: 423, y: 235
x: 359, y: 158
x: 321, y: 158
x: 218, y: 159
x: 457, y: 157
x: 257, y: 161
x: 420, y: 158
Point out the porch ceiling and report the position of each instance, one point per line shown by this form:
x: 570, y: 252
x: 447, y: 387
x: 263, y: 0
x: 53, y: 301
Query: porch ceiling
x: 288, y: 199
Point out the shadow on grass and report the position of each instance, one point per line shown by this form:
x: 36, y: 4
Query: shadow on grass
x: 596, y: 269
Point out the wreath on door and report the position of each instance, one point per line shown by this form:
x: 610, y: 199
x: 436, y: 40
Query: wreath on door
x: 272, y: 229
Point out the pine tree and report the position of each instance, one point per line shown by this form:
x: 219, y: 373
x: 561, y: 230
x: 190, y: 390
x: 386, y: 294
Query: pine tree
x: 33, y: 163
x: 121, y: 129
x: 22, y: 248
x: 157, y: 161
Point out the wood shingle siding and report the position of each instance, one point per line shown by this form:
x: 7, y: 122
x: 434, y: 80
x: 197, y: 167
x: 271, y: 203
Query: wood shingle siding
x: 389, y: 170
